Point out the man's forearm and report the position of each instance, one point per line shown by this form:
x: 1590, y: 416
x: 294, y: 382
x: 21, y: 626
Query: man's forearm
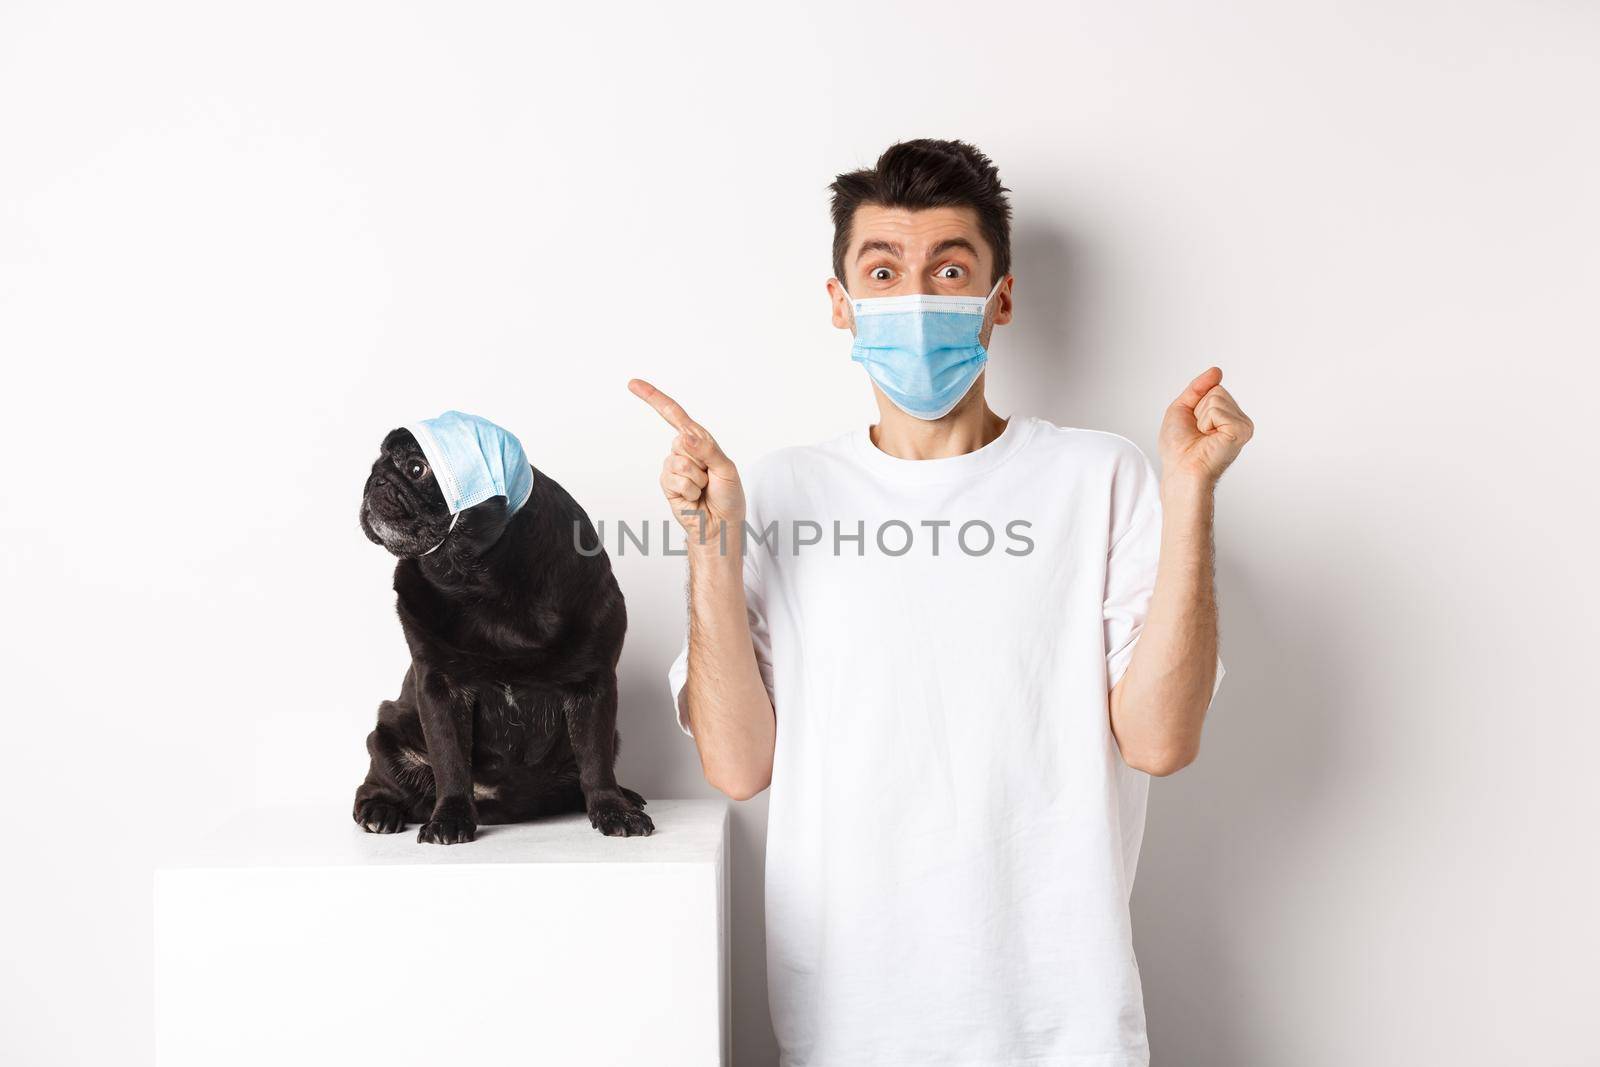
x: 729, y: 710
x: 1160, y: 703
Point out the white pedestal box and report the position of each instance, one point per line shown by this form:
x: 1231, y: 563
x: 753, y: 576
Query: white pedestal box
x: 291, y: 937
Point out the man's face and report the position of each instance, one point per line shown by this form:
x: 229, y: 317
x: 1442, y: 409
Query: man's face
x: 934, y: 251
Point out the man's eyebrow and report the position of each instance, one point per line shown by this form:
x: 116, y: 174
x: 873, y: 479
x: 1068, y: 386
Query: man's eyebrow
x: 955, y: 242
x: 879, y: 246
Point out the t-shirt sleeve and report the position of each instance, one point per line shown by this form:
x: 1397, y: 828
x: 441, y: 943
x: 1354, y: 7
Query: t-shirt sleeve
x: 760, y: 633
x: 1131, y: 562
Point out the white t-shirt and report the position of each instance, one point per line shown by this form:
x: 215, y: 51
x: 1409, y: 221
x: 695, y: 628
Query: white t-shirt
x: 952, y: 833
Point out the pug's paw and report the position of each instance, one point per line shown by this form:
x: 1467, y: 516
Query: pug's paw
x: 379, y: 816
x: 617, y: 816
x: 450, y: 825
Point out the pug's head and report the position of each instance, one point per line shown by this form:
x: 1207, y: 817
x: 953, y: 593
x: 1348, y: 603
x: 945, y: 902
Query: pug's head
x: 403, y: 509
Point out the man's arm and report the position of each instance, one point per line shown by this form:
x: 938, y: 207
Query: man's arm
x: 730, y: 714
x: 1159, y: 704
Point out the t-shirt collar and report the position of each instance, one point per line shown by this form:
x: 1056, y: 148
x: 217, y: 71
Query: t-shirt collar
x: 1018, y: 429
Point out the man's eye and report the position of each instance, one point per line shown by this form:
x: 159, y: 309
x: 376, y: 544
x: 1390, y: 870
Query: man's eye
x: 952, y: 271
x: 882, y: 274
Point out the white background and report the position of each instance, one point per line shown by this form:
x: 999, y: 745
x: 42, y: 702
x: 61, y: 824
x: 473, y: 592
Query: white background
x: 239, y: 244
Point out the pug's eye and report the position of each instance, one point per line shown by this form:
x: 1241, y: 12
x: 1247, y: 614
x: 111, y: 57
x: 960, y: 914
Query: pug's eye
x: 416, y: 469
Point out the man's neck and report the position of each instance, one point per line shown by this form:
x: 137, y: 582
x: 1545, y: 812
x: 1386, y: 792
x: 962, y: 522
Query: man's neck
x: 968, y: 427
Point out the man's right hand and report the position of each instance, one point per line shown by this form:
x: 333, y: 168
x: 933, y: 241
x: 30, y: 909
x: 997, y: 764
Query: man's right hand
x: 700, y: 482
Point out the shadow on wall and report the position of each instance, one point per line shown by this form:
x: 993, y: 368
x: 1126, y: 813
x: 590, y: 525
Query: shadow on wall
x: 1043, y: 339
x: 1229, y: 839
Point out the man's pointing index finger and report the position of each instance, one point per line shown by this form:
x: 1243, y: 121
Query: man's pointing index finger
x: 665, y: 406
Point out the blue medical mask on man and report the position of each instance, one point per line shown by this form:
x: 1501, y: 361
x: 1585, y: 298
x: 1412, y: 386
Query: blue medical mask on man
x: 923, y: 351
x: 473, y: 460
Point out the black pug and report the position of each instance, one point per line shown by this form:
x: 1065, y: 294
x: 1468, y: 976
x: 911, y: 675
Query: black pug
x: 508, y: 711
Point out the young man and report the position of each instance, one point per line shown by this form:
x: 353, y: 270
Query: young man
x: 955, y: 646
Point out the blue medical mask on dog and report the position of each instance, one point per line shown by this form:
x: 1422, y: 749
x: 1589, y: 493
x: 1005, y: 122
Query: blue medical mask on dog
x: 922, y: 351
x: 473, y: 460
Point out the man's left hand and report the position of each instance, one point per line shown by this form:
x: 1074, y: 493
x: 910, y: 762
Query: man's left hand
x: 1203, y: 431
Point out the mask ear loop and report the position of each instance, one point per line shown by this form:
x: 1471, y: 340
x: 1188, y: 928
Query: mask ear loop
x: 849, y: 302
x: 446, y: 536
x: 988, y: 298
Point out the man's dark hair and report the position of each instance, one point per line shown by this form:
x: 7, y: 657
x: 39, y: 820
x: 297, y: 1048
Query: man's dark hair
x: 921, y: 174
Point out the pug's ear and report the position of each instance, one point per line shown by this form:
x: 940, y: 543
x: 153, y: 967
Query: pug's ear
x: 481, y: 525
